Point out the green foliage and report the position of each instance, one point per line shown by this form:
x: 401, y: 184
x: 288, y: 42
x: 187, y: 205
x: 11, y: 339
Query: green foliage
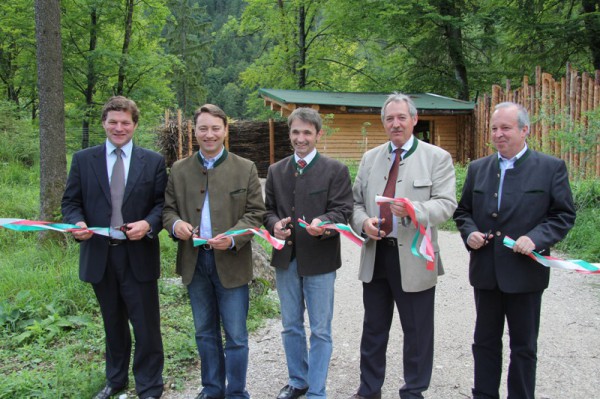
x: 51, y: 333
x: 461, y: 174
x: 92, y: 36
x: 17, y: 53
x: 17, y: 136
x: 586, y: 194
x: 583, y: 241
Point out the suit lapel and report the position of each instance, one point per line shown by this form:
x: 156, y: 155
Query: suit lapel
x: 136, y: 167
x: 99, y: 167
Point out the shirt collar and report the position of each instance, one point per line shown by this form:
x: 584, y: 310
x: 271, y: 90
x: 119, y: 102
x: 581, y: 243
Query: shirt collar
x: 406, y: 146
x: 515, y: 158
x: 127, y: 148
x: 211, y: 161
x: 307, y: 158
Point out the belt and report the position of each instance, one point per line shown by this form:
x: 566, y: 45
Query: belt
x: 113, y: 242
x: 389, y: 241
x: 206, y: 247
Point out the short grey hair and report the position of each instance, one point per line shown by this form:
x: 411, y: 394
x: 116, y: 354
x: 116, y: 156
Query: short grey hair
x: 307, y: 115
x: 522, y: 115
x: 396, y: 97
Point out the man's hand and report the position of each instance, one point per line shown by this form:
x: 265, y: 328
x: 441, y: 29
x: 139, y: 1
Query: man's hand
x: 398, y: 209
x: 477, y: 239
x: 524, y: 245
x: 220, y: 242
x: 281, y: 229
x: 183, y: 230
x: 371, y: 227
x: 313, y: 228
x: 137, y: 230
x: 82, y: 235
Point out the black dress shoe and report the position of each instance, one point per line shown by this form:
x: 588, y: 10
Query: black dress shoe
x: 289, y: 392
x: 357, y: 396
x: 108, y: 392
x: 202, y: 395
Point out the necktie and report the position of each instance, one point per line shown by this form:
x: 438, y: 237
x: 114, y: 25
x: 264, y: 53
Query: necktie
x: 301, y: 163
x: 390, y: 191
x: 117, y: 189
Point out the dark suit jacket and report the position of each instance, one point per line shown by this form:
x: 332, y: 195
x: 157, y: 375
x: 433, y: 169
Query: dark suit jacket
x: 322, y: 191
x: 236, y: 203
x: 87, y: 198
x: 536, y: 202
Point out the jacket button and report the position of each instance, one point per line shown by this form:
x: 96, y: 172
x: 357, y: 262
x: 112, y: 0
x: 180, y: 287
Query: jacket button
x: 198, y: 209
x: 202, y: 191
x: 498, y: 233
x: 494, y: 215
x: 293, y: 208
x: 495, y: 195
x: 289, y: 243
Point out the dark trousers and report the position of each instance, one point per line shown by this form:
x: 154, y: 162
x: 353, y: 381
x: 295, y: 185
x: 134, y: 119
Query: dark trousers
x: 416, y: 317
x: 123, y: 299
x: 522, y: 313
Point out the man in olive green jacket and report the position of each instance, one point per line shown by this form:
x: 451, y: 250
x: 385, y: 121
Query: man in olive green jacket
x: 217, y: 191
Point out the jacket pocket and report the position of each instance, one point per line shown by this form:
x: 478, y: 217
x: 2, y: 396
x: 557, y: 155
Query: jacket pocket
x: 419, y: 183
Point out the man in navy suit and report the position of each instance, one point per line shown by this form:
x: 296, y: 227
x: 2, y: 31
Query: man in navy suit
x: 525, y: 195
x: 123, y: 268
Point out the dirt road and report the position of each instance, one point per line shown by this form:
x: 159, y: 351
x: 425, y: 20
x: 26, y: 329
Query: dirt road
x: 568, y: 355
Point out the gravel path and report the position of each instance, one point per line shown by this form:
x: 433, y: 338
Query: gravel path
x: 568, y: 354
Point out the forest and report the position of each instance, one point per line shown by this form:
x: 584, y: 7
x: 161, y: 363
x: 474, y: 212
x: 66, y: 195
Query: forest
x: 182, y: 53
x: 60, y: 60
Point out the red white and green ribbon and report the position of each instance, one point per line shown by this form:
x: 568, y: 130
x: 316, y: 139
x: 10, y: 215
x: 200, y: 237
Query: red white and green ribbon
x: 343, y: 229
x: 578, y: 265
x: 37, y: 225
x: 262, y: 233
x: 425, y: 249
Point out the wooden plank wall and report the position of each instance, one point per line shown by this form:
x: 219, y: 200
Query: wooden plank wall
x: 349, y: 136
x: 558, y: 111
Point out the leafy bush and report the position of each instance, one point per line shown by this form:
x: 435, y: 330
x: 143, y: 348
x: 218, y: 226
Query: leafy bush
x: 18, y: 137
x: 586, y: 194
x: 583, y: 241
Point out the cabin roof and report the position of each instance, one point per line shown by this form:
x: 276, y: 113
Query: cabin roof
x: 423, y: 101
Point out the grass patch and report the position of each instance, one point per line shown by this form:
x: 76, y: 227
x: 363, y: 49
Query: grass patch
x: 51, y: 333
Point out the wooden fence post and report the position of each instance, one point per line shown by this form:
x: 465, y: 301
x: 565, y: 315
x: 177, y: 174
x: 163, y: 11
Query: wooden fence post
x: 271, y: 141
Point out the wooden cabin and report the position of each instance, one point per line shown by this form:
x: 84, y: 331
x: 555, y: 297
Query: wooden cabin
x: 353, y: 120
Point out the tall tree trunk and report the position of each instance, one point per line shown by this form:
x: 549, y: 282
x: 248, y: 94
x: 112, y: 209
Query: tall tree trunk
x: 53, y: 162
x: 301, y: 69
x: 92, y: 79
x: 591, y: 8
x: 453, y: 33
x: 125, y: 51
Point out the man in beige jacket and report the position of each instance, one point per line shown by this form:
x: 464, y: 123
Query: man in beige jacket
x: 391, y: 274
